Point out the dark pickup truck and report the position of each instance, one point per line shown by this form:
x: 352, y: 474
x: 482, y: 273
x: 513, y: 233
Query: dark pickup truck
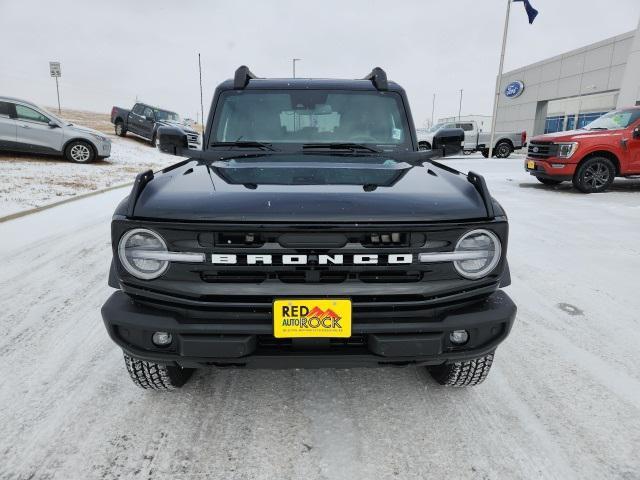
x: 144, y: 120
x: 310, y: 231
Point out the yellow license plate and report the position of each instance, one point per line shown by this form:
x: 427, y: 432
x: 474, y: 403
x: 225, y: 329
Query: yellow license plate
x: 312, y: 318
x: 531, y: 165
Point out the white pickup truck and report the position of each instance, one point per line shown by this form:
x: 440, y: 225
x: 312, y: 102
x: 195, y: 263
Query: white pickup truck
x: 477, y: 141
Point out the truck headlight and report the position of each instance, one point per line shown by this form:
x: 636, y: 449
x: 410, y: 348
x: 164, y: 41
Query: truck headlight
x: 566, y: 150
x: 141, y: 253
x: 478, y: 253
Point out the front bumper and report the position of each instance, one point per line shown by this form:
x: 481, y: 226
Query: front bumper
x: 198, y: 343
x: 104, y: 149
x: 551, y: 168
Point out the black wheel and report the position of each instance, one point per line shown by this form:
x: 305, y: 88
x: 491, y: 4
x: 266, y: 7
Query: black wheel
x: 503, y: 150
x: 462, y: 374
x: 594, y: 175
x: 424, y: 146
x: 485, y: 153
x: 80, y: 151
x: 120, y: 130
x: 152, y: 376
x: 549, y: 181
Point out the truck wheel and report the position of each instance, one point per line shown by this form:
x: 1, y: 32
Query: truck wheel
x: 152, y: 376
x: 548, y: 181
x: 485, y: 153
x: 120, y: 130
x: 462, y: 374
x: 79, y: 151
x: 595, y: 175
x: 503, y: 150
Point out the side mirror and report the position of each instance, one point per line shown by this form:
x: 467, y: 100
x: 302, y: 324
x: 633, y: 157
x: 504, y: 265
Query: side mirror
x: 448, y: 141
x: 53, y: 124
x: 636, y: 133
x: 149, y: 119
x: 172, y: 140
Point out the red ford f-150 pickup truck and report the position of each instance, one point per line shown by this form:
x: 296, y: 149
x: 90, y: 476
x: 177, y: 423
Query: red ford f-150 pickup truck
x: 592, y: 157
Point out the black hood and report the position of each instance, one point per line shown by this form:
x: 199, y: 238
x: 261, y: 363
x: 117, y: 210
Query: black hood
x: 309, y: 188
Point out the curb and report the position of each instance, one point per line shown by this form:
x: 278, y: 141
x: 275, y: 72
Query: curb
x: 62, y: 202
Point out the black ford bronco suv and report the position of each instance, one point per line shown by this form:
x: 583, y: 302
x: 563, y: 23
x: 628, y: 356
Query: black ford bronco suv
x: 309, y: 231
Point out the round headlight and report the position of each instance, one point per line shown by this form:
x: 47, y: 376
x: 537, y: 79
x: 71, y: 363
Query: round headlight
x: 479, y: 251
x: 143, y: 253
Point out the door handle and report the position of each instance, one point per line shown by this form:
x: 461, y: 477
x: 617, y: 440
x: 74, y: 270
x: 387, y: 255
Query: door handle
x: 25, y: 126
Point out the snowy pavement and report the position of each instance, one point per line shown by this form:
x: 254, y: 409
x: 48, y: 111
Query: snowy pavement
x: 28, y: 181
x: 562, y: 401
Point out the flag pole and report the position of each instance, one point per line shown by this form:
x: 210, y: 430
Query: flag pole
x: 498, y: 80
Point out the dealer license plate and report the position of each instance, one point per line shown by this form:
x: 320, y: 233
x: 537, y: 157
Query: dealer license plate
x: 531, y: 165
x: 312, y: 318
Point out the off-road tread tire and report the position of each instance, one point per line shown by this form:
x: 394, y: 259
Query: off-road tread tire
x: 463, y: 374
x: 152, y: 376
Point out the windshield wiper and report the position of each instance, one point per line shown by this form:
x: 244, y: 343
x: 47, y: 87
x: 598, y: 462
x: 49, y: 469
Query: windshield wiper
x: 340, y: 146
x: 245, y: 144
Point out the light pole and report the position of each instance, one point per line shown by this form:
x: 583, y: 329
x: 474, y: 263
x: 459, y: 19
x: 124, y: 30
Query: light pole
x: 433, y: 108
x: 293, y: 61
x: 460, y: 108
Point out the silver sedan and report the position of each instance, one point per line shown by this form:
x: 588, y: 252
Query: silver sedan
x: 25, y: 127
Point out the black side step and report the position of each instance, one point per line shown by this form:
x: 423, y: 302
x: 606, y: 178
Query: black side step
x: 478, y: 181
x: 141, y: 181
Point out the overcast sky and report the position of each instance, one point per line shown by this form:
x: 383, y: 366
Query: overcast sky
x: 112, y: 51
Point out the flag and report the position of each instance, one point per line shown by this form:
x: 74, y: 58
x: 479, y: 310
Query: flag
x: 532, y: 13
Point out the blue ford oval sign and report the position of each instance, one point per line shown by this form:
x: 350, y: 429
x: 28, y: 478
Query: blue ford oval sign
x: 514, y: 89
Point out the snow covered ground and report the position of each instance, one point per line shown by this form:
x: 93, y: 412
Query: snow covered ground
x: 28, y: 181
x: 562, y: 402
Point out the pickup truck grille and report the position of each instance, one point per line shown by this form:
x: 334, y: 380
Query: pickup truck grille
x: 193, y: 138
x: 542, y: 150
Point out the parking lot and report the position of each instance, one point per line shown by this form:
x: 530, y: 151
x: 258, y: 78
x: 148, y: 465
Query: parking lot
x: 562, y: 401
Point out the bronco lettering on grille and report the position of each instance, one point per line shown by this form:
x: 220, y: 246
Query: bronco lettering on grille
x: 261, y: 259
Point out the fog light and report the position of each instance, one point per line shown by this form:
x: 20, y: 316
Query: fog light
x: 161, y: 339
x: 459, y: 337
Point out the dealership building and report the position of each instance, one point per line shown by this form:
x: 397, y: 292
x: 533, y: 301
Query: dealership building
x: 572, y: 89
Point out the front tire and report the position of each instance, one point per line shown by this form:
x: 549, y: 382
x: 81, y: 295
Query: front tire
x: 485, y: 153
x: 463, y: 374
x: 79, y: 151
x: 153, y: 376
x: 594, y: 175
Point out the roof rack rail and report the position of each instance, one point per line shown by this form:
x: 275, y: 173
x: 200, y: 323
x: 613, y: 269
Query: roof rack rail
x: 379, y: 79
x: 242, y: 77
x: 478, y: 181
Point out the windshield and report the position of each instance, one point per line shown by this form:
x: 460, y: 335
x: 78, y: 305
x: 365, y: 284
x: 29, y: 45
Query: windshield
x: 54, y: 117
x: 167, y: 116
x: 615, y: 120
x: 312, y: 117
